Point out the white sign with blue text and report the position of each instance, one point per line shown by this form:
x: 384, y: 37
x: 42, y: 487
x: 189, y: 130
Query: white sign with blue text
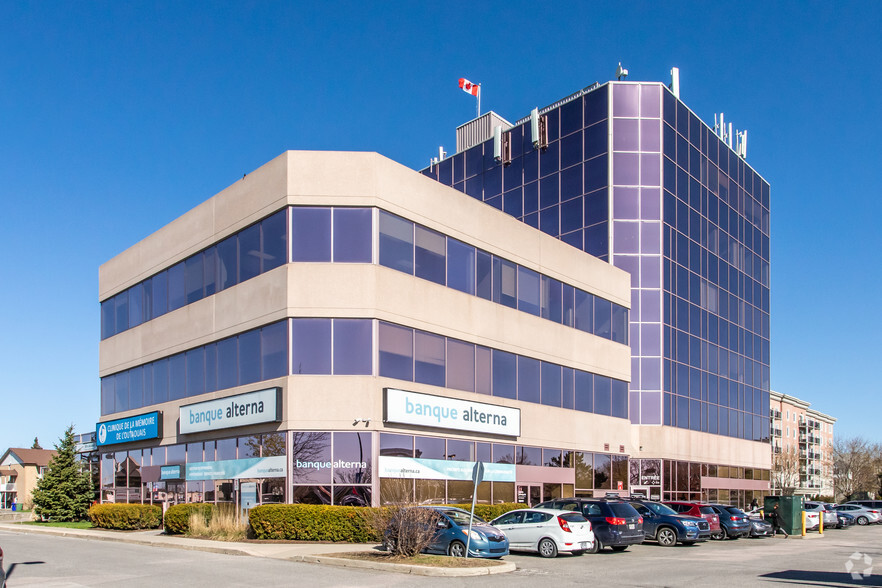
x: 426, y: 410
x: 263, y: 406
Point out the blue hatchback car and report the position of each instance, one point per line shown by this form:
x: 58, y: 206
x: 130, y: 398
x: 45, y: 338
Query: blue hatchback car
x: 452, y: 535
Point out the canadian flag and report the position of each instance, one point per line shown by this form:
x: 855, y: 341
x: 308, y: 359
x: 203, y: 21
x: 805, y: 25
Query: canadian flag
x: 469, y: 87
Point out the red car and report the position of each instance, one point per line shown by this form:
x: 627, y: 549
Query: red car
x: 700, y: 510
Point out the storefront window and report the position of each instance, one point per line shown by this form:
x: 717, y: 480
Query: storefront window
x: 552, y: 458
x: 503, y: 454
x: 273, y: 444
x: 529, y: 456
x: 352, y: 495
x: 430, y: 491
x: 503, y: 492
x: 602, y: 472
x: 311, y: 495
x: 429, y: 448
x: 311, y: 457
x: 352, y: 456
x: 460, y: 492
x: 226, y: 449
x: 459, y: 450
x: 249, y: 446
x: 396, y: 445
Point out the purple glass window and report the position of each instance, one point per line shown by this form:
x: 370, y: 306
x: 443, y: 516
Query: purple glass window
x: 528, y: 379
x: 310, y: 451
x: 650, y: 301
x: 311, y: 346
x: 626, y: 134
x: 650, y: 139
x: 195, y: 371
x: 352, y: 235
x: 428, y: 358
x: 626, y: 203
x: 650, y: 100
x: 650, y: 173
x: 483, y: 371
x: 505, y: 375
x: 630, y: 264
x: 626, y: 100
x: 249, y: 357
x: 626, y: 236
x: 551, y: 384
x: 396, y: 352
x: 650, y: 237
x: 650, y: 408
x: 274, y: 351
x: 430, y: 255
x: 460, y: 365
x: 584, y: 391
x: 353, y: 449
x: 311, y: 234
x: 626, y: 169
x: 353, y: 346
x: 650, y: 203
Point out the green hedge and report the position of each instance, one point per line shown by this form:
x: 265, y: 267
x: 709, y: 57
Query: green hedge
x: 177, y: 517
x: 125, y: 516
x: 307, y: 522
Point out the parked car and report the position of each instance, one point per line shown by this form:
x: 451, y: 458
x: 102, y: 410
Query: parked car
x: 615, y: 523
x: 733, y: 521
x: 846, y: 520
x: 812, y: 519
x: 701, y: 510
x: 661, y: 523
x: 452, y: 534
x: 871, y: 504
x: 545, y: 531
x: 2, y: 571
x: 830, y: 517
x: 862, y: 514
x: 760, y: 528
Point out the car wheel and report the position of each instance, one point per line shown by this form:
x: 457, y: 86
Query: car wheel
x: 725, y: 534
x: 666, y: 537
x: 863, y: 520
x: 596, y: 547
x: 619, y: 547
x: 456, y: 549
x: 547, y: 548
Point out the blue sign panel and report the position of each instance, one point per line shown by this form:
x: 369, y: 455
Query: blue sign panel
x: 172, y: 472
x: 136, y: 428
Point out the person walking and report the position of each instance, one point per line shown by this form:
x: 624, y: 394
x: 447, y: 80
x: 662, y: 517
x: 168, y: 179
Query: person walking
x: 775, y: 517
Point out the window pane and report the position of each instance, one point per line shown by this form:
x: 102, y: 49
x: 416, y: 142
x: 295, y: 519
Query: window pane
x: 177, y: 377
x: 228, y: 263
x: 551, y: 299
x: 122, y: 392
x: 396, y: 445
x: 249, y: 253
x: 274, y: 236
x: 459, y: 450
x: 460, y: 266
x: 428, y: 358
x: 121, y: 302
x: 227, y: 363
x: 211, y: 367
x: 310, y: 448
x: 483, y: 373
x: 353, y: 346
x: 528, y: 291
x: 460, y: 365
x: 396, y: 243
x: 108, y: 316
x: 619, y: 395
x: 107, y: 396
x: 209, y: 266
x: 352, y: 235
x: 177, y: 288
x: 274, y: 351
x: 528, y: 379
x: 136, y: 308
x: 584, y: 311
x: 430, y: 255
x: 160, y: 381
x: 551, y: 384
x: 311, y: 346
x: 505, y: 282
x: 602, y: 401
x: 249, y: 357
x: 484, y: 275
x: 584, y: 391
x: 568, y: 377
x: 568, y: 308
x: 602, y: 317
x: 353, y: 449
x: 196, y: 371
x: 504, y: 374
x: 429, y: 447
x: 194, y: 277
x: 396, y: 352
x: 311, y: 234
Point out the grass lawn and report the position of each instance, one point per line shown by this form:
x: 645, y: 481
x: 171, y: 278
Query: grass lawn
x: 74, y: 525
x: 435, y: 561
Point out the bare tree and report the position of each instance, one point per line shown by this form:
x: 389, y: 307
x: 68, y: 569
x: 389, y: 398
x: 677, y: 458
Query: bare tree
x: 405, y: 529
x: 856, y: 466
x: 785, y: 470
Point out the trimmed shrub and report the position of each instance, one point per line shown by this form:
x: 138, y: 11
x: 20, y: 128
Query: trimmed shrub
x: 488, y: 512
x: 177, y: 517
x: 125, y: 516
x: 308, y: 522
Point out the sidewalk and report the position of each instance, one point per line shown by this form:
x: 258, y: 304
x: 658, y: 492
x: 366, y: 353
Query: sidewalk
x: 309, y: 552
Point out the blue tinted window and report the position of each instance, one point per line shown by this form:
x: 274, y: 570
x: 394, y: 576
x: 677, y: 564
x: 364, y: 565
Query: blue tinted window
x: 531, y: 197
x: 310, y: 234
x: 568, y: 377
x: 274, y: 235
x: 596, y: 173
x: 396, y: 352
x: 596, y: 105
x: 194, y: 277
x: 249, y: 357
x: 121, y: 301
x: 602, y: 318
x: 584, y: 391
x: 460, y: 266
x: 568, y: 305
x: 505, y: 282
x: 136, y: 387
x: 484, y: 275
x: 160, y: 380
x: 396, y: 243
x: 177, y: 286
x: 528, y: 291
x: 550, y: 297
x: 227, y: 363
x: 107, y: 395
x: 353, y: 347
x: 352, y: 235
x: 311, y: 346
x: 211, y: 367
x: 228, y: 263
x: 430, y: 255
x: 483, y: 370
x: 551, y: 384
x: 121, y: 390
x: 505, y: 372
x: 602, y: 400
x: 177, y: 377
x: 249, y: 253
x: 584, y: 311
x: 195, y: 371
x: 549, y: 221
x: 619, y: 324
x: 619, y: 394
x: 274, y: 350
x: 108, y: 316
x: 136, y: 305
x: 428, y: 355
x: 460, y: 365
x: 210, y: 271
x: 528, y: 379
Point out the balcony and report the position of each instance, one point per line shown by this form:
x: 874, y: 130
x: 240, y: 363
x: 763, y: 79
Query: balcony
x: 776, y: 448
x: 775, y: 414
x: 776, y: 432
x: 9, y: 487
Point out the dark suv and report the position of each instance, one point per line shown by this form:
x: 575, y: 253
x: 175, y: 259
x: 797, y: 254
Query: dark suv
x: 733, y: 521
x: 664, y: 525
x: 616, y: 524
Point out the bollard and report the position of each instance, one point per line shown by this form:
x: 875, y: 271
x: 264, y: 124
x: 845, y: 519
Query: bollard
x: 803, y: 523
x: 821, y: 523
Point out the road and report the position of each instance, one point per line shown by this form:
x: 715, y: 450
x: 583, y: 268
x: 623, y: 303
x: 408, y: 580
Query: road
x: 62, y: 562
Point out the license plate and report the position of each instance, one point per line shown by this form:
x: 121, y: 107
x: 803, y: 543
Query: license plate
x: 583, y: 545
x: 632, y: 526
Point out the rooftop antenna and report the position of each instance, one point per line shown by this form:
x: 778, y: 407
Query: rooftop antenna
x: 621, y: 73
x: 675, y: 81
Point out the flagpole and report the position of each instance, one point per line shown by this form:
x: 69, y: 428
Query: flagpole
x: 479, y: 101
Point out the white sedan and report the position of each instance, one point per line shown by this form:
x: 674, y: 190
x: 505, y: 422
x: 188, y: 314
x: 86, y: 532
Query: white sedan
x: 861, y: 514
x: 546, y: 531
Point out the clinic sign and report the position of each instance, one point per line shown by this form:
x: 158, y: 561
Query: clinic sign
x: 251, y: 408
x: 426, y: 410
x: 136, y: 428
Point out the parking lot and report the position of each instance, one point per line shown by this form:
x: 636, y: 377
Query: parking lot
x: 819, y: 561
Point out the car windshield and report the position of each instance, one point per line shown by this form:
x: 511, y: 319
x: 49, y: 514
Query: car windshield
x: 660, y: 509
x: 462, y: 518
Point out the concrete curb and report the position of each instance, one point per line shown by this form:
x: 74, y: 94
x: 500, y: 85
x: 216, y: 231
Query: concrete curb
x: 407, y: 568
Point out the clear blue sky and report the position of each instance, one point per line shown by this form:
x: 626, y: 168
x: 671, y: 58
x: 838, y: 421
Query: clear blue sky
x: 117, y: 117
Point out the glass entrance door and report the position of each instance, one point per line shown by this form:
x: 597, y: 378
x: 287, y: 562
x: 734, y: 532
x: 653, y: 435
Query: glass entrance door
x: 529, y: 494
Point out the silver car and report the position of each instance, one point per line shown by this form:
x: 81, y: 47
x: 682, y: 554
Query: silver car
x: 830, y: 518
x: 862, y: 515
x: 546, y: 531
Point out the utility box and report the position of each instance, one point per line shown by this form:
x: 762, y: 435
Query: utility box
x: 790, y: 509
